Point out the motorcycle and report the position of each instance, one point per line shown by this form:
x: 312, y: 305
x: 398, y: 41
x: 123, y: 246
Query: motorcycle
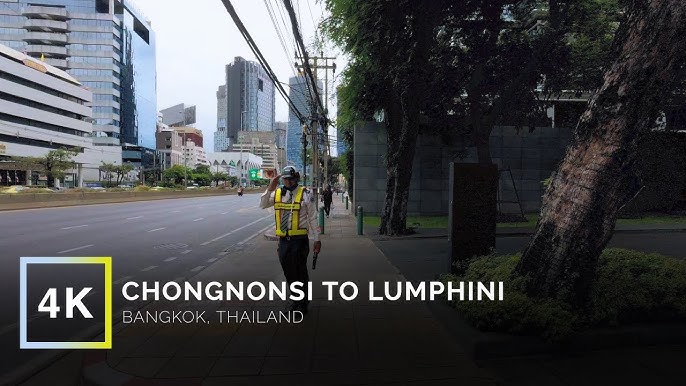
x: 240, y: 192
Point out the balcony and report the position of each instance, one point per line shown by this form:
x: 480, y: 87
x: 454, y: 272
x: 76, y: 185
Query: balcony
x: 45, y: 38
x: 45, y: 25
x: 54, y: 51
x: 41, y: 12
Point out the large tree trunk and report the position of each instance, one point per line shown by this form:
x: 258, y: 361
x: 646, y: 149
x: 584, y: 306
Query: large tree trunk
x: 393, y: 130
x: 597, y: 175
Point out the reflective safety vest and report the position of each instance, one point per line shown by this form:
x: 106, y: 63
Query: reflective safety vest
x: 294, y: 209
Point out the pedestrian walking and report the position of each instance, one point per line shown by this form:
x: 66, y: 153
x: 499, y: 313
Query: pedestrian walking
x: 327, y: 196
x: 295, y: 214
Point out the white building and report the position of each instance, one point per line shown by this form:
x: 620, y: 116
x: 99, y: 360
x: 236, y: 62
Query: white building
x: 42, y: 108
x: 194, y: 155
x: 235, y: 163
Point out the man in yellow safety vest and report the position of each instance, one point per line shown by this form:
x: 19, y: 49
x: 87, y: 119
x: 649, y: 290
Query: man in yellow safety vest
x: 295, y: 214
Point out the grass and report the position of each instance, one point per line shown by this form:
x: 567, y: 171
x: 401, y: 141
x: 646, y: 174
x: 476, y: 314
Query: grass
x: 442, y: 221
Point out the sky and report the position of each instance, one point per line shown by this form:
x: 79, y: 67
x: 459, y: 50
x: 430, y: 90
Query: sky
x: 197, y: 39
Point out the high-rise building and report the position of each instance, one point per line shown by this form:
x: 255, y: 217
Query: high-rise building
x: 107, y: 45
x: 281, y: 128
x: 178, y: 115
x: 249, y: 99
x: 42, y: 108
x: 221, y: 138
x: 299, y: 94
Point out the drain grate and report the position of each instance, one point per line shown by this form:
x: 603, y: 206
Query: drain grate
x: 171, y: 246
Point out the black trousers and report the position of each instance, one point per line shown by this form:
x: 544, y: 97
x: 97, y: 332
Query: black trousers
x: 327, y: 207
x: 293, y: 254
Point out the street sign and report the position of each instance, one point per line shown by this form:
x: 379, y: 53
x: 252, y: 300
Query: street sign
x: 254, y: 174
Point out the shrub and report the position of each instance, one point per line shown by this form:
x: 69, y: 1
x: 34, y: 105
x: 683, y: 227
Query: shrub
x: 630, y: 287
x: 141, y: 188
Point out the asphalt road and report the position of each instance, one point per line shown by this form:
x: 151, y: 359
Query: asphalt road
x: 160, y: 240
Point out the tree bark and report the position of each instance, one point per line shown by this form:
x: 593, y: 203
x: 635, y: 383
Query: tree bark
x: 393, y: 130
x: 596, y: 177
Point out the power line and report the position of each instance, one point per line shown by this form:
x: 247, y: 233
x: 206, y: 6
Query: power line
x: 282, y: 40
x: 251, y: 43
x: 306, y: 64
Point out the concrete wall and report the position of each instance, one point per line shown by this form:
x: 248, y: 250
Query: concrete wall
x: 530, y: 156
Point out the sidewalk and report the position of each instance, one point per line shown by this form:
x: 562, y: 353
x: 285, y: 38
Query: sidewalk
x: 350, y: 343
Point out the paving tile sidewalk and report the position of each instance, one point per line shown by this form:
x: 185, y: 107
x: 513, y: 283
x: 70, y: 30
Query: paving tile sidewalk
x: 338, y: 342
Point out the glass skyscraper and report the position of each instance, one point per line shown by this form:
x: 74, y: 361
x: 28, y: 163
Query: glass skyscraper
x: 105, y: 44
x: 299, y: 94
x: 249, y: 100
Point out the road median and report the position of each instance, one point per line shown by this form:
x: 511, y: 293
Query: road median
x: 48, y: 200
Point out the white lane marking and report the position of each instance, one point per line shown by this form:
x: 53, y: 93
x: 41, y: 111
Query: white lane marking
x: 225, y: 212
x: 158, y: 229
x: 77, y: 226
x: 75, y: 249
x: 212, y: 260
x: 187, y: 251
x: 261, y: 231
x: 175, y: 211
x: 170, y: 259
x: 122, y: 279
x: 235, y: 230
x: 133, y: 218
x: 198, y: 268
x: 198, y: 219
x: 150, y: 268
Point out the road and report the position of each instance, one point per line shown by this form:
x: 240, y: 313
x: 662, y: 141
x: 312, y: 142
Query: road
x: 161, y: 240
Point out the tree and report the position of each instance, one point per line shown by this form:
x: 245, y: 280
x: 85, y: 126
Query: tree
x: 54, y: 164
x: 202, y: 175
x: 122, y: 171
x: 175, y: 175
x: 333, y: 169
x: 597, y: 175
x: 108, y: 170
x: 220, y: 177
x: 388, y: 42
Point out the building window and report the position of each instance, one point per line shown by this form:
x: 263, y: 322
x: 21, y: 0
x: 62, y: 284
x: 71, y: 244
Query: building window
x: 260, y: 84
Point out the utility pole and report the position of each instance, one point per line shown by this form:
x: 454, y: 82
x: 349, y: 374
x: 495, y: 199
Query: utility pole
x: 316, y: 172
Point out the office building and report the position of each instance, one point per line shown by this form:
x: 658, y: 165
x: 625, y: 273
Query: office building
x: 170, y: 146
x: 105, y: 44
x: 221, y: 137
x: 299, y: 94
x: 262, y: 144
x: 281, y: 129
x: 249, y: 99
x: 190, y: 134
x: 42, y: 108
x: 193, y: 155
x: 178, y: 115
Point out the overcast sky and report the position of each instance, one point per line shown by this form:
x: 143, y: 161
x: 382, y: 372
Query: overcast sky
x: 197, y: 39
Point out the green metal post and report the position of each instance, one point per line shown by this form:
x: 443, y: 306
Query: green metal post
x: 321, y: 220
x: 360, y: 215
